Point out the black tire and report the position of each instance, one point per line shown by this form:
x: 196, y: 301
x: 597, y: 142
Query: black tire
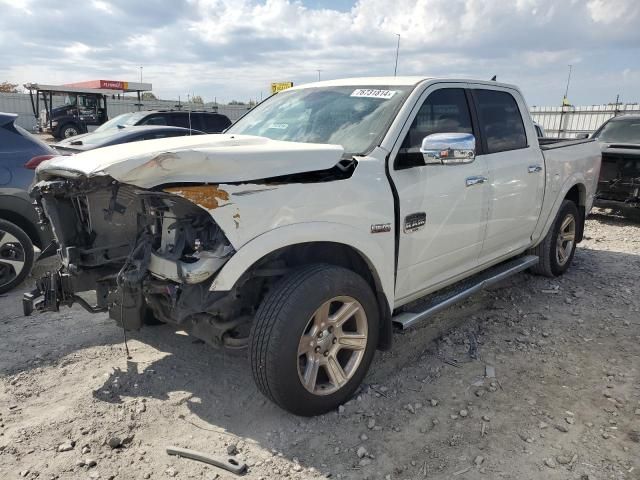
x: 17, y: 249
x: 284, y: 316
x: 549, y: 264
x: 69, y: 130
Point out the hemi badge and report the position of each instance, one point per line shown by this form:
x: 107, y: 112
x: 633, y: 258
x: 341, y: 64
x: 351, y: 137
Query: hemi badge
x: 380, y: 227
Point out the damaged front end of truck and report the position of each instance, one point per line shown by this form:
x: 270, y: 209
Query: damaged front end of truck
x: 138, y: 238
x: 145, y: 254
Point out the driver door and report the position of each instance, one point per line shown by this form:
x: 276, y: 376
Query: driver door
x: 448, y: 202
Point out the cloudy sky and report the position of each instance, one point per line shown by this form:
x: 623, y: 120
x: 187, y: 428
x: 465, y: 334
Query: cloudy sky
x: 233, y: 49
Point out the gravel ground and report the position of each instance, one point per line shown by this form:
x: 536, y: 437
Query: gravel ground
x: 535, y: 378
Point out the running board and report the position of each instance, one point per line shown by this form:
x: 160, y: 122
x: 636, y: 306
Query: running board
x: 437, y: 302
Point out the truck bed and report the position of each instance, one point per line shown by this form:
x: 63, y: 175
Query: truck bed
x: 551, y: 143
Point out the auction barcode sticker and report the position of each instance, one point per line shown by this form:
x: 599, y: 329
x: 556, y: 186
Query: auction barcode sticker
x: 373, y: 93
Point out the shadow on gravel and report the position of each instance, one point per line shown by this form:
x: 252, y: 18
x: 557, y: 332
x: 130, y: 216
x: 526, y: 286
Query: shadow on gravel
x: 217, y: 388
x: 613, y: 218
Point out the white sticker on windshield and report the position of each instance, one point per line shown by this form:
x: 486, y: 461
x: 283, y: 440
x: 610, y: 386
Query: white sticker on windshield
x: 373, y: 93
x: 279, y: 126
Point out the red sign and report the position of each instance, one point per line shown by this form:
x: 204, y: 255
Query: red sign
x: 107, y: 84
x: 112, y: 84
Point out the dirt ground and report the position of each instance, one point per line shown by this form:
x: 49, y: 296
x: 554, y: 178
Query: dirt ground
x: 564, y: 403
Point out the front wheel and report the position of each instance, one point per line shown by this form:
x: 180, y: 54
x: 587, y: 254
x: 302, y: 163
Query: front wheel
x: 69, y: 130
x: 558, y: 247
x: 313, y: 339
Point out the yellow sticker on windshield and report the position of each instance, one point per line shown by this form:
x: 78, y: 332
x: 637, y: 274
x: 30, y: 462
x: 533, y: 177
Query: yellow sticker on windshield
x: 373, y: 93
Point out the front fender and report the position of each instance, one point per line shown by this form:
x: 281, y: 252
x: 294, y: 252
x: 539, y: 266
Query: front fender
x: 380, y: 262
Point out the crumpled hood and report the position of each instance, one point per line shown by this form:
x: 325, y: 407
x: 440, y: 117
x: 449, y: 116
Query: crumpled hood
x: 218, y: 158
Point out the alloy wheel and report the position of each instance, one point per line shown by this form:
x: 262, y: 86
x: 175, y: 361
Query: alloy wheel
x: 566, y: 239
x: 332, y: 345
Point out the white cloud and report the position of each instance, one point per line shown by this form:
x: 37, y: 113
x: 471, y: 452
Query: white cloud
x: 620, y: 12
x: 235, y: 48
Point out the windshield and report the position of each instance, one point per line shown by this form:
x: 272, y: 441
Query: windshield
x: 125, y: 120
x: 355, y: 117
x: 621, y: 131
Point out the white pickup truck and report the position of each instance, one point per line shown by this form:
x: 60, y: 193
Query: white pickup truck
x: 316, y: 222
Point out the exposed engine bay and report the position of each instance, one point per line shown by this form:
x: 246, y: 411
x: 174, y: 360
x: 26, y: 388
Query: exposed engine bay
x: 619, y: 182
x: 146, y: 253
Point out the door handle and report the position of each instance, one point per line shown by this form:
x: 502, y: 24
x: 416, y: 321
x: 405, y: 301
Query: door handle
x: 475, y: 180
x: 535, y: 168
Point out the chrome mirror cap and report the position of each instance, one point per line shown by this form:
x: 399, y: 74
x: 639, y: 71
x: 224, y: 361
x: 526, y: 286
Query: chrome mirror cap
x: 448, y: 148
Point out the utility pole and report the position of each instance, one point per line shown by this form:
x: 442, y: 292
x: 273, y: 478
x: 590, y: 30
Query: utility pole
x: 565, y: 103
x: 566, y: 92
x: 395, y: 70
x: 615, y: 112
x: 318, y: 74
x: 140, y: 74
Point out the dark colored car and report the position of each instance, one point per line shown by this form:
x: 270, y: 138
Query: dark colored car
x: 19, y: 229
x: 619, y: 182
x: 208, y: 122
x: 117, y: 136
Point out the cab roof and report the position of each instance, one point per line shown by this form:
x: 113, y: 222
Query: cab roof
x: 392, y: 81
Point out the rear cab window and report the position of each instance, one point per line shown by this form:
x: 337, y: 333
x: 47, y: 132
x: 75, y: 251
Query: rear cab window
x: 500, y: 121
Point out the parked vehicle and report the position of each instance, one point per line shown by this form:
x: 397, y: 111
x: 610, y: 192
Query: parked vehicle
x: 325, y: 215
x: 19, y: 229
x: 106, y: 138
x: 74, y: 117
x: 208, y: 122
x: 84, y: 104
x: 619, y: 183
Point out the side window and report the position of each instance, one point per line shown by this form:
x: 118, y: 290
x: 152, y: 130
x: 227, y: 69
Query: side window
x: 500, y: 121
x: 181, y: 120
x: 215, y: 123
x: 154, y: 120
x: 444, y: 111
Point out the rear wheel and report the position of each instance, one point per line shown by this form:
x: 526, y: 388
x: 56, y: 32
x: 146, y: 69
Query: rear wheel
x: 16, y: 255
x: 313, y: 339
x: 558, y: 247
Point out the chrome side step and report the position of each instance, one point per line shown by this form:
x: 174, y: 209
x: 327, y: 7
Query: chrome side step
x: 438, y: 301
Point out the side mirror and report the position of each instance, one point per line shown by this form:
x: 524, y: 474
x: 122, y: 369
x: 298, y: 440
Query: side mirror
x: 582, y: 136
x: 448, y: 149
